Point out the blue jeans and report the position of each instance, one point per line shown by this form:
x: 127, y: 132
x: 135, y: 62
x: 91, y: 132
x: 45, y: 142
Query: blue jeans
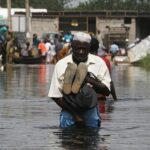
x: 91, y: 118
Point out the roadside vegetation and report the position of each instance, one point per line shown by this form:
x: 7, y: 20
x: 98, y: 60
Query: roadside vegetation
x: 51, y: 5
x: 145, y: 62
x: 115, y: 5
x: 58, y: 5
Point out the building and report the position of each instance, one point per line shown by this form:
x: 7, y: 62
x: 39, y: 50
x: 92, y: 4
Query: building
x: 114, y: 25
x: 18, y: 22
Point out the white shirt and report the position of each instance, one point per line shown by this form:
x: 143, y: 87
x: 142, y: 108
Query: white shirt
x: 100, y: 38
x: 48, y: 46
x: 95, y: 65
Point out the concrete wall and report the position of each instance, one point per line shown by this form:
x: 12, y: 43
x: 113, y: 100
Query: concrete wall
x: 42, y: 25
x: 132, y: 31
x: 102, y: 23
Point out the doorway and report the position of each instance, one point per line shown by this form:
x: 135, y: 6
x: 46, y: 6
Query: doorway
x: 92, y: 24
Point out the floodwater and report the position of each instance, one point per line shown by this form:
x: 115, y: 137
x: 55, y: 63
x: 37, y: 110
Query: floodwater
x: 30, y: 121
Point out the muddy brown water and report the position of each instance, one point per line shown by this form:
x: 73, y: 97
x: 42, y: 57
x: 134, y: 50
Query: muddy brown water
x: 30, y: 121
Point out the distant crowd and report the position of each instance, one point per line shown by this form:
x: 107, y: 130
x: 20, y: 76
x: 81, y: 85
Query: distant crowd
x: 51, y: 49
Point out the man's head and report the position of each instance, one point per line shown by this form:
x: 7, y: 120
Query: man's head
x: 98, y: 31
x: 34, y: 35
x: 80, y: 46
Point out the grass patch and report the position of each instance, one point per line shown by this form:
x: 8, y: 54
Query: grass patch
x: 145, y: 62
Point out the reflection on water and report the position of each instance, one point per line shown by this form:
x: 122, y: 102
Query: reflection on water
x: 81, y: 139
x: 131, y: 82
x: 25, y: 81
x: 29, y: 118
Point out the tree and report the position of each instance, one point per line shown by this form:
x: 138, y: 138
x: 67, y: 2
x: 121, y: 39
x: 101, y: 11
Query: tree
x: 48, y: 4
x: 58, y: 5
x: 115, y: 5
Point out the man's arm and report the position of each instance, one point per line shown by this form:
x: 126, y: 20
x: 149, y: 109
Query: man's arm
x: 98, y: 86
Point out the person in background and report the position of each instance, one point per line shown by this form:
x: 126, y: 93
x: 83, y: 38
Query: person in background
x: 94, y: 50
x: 74, y: 76
x: 25, y: 51
x: 42, y: 50
x: 1, y: 56
x: 3, y: 32
x: 47, y: 38
x: 58, y: 44
x: 68, y: 37
x: 100, y: 37
x: 10, y: 46
x: 50, y: 51
x: 35, y: 41
x: 66, y: 50
x: 114, y: 49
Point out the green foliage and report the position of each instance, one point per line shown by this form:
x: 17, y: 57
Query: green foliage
x: 48, y: 4
x: 57, y: 5
x: 114, y: 5
x: 145, y: 62
x: 3, y: 3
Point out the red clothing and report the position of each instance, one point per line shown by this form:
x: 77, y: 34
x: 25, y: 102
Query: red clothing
x: 107, y: 63
x: 42, y: 48
x: 102, y: 106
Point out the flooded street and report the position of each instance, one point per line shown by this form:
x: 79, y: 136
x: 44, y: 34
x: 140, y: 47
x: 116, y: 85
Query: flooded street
x: 30, y: 121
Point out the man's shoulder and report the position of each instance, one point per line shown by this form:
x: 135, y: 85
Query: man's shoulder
x: 95, y: 58
x: 98, y: 61
x: 64, y: 60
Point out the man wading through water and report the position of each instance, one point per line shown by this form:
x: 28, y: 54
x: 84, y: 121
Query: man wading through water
x: 76, y: 80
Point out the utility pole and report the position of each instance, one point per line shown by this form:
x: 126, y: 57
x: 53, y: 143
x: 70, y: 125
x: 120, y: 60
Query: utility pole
x: 9, y: 19
x: 28, y: 20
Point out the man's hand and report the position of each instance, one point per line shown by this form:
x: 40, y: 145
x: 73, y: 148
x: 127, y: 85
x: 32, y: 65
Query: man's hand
x: 78, y: 118
x: 79, y: 121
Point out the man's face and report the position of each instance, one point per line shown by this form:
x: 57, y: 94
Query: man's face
x: 80, y: 50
